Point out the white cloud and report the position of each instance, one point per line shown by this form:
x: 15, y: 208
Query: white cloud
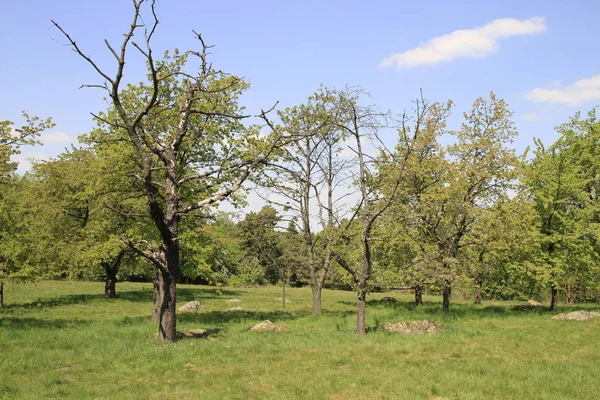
x: 466, y: 43
x: 57, y: 138
x: 25, y: 161
x: 531, y: 117
x: 578, y: 93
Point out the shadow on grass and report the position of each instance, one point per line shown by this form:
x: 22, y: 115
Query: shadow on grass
x: 461, y: 310
x: 28, y: 323
x: 215, y: 318
x: 198, y: 333
x: 141, y: 296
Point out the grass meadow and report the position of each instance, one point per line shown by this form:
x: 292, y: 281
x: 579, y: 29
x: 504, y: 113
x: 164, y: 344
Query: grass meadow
x: 62, y: 339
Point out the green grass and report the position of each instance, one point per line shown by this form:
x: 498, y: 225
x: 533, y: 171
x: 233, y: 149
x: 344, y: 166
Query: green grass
x: 64, y: 340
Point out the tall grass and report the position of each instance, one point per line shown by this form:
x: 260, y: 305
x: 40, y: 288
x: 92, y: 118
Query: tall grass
x: 64, y: 340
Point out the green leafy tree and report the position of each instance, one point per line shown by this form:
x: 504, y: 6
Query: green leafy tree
x: 11, y: 141
x: 73, y: 229
x: 563, y: 180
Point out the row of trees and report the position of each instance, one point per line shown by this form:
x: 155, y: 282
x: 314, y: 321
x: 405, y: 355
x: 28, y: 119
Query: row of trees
x: 431, y: 208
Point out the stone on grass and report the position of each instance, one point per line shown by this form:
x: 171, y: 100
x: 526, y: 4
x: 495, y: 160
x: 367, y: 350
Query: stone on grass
x: 286, y: 300
x: 198, y: 333
x: 533, y: 303
x: 267, y: 326
x: 236, y: 309
x: 192, y: 332
x: 581, y: 315
x: 413, y: 327
x: 388, y: 299
x: 233, y: 301
x: 192, y: 306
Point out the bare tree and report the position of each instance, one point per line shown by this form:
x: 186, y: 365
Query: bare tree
x: 312, y: 169
x: 192, y: 150
x: 379, y: 178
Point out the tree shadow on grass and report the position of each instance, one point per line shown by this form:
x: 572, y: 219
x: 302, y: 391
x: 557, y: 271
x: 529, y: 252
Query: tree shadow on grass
x: 198, y: 333
x: 216, y: 318
x: 37, y: 323
x: 138, y: 296
x: 431, y: 309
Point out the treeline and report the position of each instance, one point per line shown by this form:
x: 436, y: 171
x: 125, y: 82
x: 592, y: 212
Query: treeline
x: 357, y: 198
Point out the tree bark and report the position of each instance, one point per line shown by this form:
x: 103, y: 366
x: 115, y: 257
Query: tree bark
x: 112, y: 269
x: 478, y: 296
x: 167, y: 330
x: 157, y: 296
x: 553, y: 298
x: 418, y: 295
x: 1, y: 294
x: 361, y: 326
x: 110, y: 287
x: 446, y: 298
x: 316, y: 300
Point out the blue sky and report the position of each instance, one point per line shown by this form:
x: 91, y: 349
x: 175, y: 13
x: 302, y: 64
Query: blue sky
x: 540, y: 56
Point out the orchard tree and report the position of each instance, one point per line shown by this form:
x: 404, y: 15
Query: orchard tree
x: 379, y: 179
x: 406, y: 251
x: 306, y: 177
x: 73, y: 229
x: 477, y: 172
x: 11, y: 141
x: 184, y: 126
x: 564, y: 180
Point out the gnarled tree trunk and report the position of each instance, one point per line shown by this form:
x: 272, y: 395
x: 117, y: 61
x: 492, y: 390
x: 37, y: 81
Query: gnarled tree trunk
x: 111, y: 269
x: 418, y: 295
x: 167, y: 320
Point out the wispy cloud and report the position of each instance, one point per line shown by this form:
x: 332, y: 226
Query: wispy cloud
x: 531, y: 117
x: 466, y: 43
x: 573, y: 95
x: 57, y: 138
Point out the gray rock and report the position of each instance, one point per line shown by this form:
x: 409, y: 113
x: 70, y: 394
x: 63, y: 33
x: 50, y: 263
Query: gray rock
x: 192, y: 306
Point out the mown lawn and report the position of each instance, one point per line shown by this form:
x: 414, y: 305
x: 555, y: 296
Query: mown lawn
x: 64, y: 340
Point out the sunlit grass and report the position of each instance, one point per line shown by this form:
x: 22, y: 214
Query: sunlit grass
x: 64, y: 340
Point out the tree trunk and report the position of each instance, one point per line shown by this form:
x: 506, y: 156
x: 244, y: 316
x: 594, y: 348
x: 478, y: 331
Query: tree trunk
x: 157, y: 297
x: 361, y: 326
x: 553, y: 298
x: 1, y: 294
x: 283, y: 298
x: 167, y: 332
x: 446, y: 298
x: 478, y: 296
x: 418, y: 295
x: 316, y: 300
x: 110, y: 287
x: 111, y: 269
